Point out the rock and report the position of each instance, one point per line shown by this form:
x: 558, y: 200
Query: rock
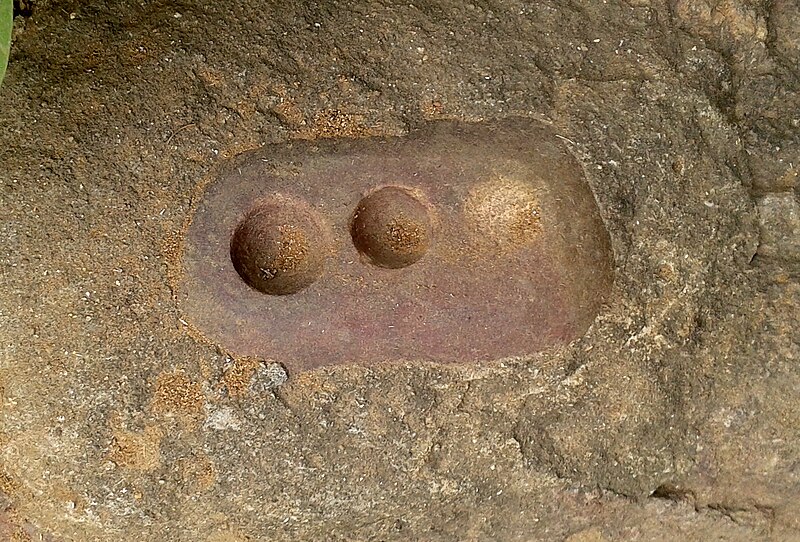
x: 779, y: 217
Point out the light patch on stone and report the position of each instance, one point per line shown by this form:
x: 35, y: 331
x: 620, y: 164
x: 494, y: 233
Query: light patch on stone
x: 222, y: 420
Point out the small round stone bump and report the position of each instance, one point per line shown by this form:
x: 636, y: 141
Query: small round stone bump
x: 392, y: 227
x: 280, y: 246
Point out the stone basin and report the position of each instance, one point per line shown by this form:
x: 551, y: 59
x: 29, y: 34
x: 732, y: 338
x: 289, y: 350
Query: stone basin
x: 515, y: 257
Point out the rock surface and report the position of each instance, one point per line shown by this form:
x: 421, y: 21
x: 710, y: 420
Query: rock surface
x: 676, y: 417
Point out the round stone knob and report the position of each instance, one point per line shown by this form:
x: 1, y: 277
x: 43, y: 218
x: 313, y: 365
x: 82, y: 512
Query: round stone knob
x: 392, y: 227
x: 280, y: 246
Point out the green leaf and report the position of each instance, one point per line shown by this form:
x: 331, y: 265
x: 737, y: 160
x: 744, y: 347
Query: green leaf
x: 6, y: 23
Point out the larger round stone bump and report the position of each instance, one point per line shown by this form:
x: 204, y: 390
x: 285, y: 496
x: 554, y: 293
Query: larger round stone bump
x: 280, y: 246
x: 392, y: 227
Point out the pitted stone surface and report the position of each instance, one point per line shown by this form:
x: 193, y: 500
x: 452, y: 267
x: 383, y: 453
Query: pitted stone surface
x: 509, y: 254
x: 675, y: 415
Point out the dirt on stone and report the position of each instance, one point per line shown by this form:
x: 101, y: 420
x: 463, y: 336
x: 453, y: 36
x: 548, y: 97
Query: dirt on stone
x: 676, y: 417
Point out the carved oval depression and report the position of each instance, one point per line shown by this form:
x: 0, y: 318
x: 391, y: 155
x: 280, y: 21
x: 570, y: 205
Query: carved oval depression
x: 460, y: 243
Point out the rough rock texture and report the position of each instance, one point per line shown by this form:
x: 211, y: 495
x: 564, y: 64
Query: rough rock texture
x: 677, y: 417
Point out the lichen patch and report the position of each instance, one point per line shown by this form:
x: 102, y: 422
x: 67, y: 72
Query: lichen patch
x: 177, y: 394
x: 136, y: 450
x: 238, y: 377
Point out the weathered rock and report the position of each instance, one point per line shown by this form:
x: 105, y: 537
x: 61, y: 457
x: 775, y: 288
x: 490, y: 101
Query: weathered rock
x: 676, y: 413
